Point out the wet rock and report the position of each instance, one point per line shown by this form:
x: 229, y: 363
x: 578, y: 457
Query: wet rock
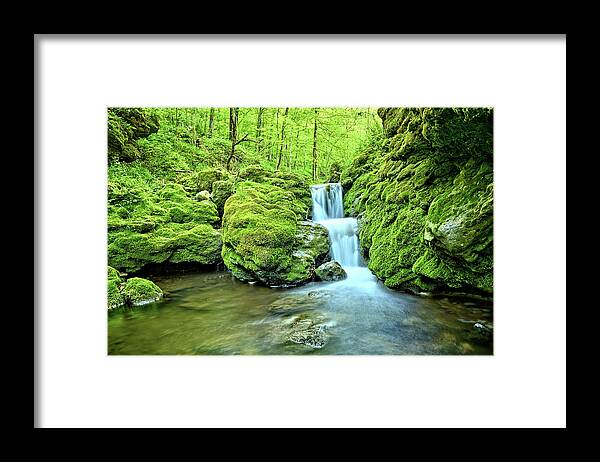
x: 308, y: 329
x: 295, y: 303
x: 480, y: 333
x: 331, y: 271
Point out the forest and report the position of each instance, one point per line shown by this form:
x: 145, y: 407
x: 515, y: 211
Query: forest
x: 300, y: 230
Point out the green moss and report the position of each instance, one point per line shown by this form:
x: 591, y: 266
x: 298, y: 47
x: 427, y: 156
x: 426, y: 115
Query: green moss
x: 221, y: 191
x: 154, y: 221
x: 263, y: 239
x: 206, y: 177
x: 424, y: 200
x: 139, y: 291
x: 125, y: 127
x: 291, y: 182
x: 170, y: 243
x: 115, y: 297
x: 114, y: 275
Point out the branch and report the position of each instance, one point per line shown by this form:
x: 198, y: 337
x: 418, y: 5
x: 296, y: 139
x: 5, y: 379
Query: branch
x: 241, y: 140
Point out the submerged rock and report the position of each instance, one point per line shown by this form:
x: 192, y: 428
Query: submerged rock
x: 139, y: 291
x: 310, y: 329
x: 296, y: 302
x: 331, y: 271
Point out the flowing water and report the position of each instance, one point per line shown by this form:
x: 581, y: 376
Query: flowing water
x: 213, y: 313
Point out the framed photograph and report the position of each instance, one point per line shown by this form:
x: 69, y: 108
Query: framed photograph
x: 372, y: 225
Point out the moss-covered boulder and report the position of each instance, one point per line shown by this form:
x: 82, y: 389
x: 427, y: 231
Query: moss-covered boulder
x: 265, y: 238
x: 289, y: 181
x: 158, y: 222
x: 139, y: 291
x: 115, y: 297
x: 423, y: 196
x: 125, y: 127
x: 207, y: 176
x: 221, y: 191
x: 169, y: 243
x: 331, y: 271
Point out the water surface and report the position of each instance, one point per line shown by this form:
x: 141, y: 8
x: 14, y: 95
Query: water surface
x: 213, y: 313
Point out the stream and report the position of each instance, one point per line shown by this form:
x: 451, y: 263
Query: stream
x: 215, y: 314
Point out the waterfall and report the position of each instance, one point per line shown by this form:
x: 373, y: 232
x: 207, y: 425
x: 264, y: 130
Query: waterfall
x: 328, y: 210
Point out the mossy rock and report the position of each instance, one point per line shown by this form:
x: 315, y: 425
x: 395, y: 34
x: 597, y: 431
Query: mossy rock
x: 221, y: 191
x: 291, y: 182
x: 114, y: 275
x: 139, y: 291
x: 125, y: 127
x: 331, y: 271
x: 425, y: 199
x: 265, y: 239
x: 170, y: 243
x: 205, y: 178
x: 115, y: 297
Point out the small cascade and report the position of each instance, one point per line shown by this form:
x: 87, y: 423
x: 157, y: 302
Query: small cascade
x: 327, y: 201
x: 328, y: 210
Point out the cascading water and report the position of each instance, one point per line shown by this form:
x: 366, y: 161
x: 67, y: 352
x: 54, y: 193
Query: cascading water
x: 328, y: 210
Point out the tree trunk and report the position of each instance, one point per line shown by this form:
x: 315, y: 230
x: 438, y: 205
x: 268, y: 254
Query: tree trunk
x: 233, y: 119
x: 281, y: 142
x: 271, y: 154
x: 314, y: 151
x: 211, y: 122
x: 259, y: 127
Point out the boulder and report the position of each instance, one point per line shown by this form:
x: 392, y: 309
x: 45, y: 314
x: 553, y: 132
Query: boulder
x: 158, y: 223
x: 424, y: 193
x: 310, y: 329
x: 206, y: 177
x: 265, y: 238
x: 221, y: 191
x: 169, y: 243
x: 125, y: 127
x: 139, y: 291
x: 331, y: 271
x: 115, y: 298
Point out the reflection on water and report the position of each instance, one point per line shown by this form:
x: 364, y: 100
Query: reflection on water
x: 213, y: 313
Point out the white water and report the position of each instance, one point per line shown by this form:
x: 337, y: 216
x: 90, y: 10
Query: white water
x: 328, y: 210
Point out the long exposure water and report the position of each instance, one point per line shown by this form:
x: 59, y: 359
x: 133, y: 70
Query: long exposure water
x: 213, y: 313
